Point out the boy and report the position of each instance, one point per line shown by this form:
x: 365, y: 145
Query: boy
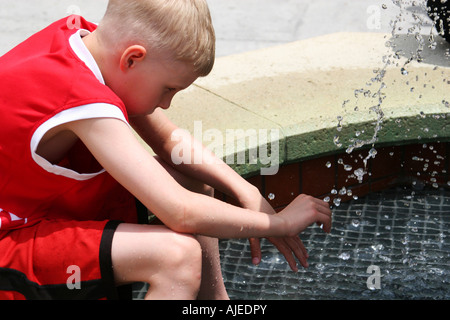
x: 71, y: 167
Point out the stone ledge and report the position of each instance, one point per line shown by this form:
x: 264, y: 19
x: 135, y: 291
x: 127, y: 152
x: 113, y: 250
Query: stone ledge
x: 301, y: 89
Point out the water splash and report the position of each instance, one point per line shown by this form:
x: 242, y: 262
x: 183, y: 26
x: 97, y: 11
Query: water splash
x: 414, y: 9
x: 415, y: 26
x: 412, y: 18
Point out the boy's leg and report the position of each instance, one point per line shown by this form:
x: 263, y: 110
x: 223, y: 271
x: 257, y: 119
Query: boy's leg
x: 168, y: 261
x: 63, y: 259
x: 212, y: 286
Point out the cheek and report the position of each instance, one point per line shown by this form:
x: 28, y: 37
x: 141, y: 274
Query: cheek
x: 143, y: 102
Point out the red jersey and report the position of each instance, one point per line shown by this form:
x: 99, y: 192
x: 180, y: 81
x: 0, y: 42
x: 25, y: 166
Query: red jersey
x: 48, y: 80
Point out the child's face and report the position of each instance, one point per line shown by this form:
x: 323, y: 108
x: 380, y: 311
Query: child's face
x: 151, y: 82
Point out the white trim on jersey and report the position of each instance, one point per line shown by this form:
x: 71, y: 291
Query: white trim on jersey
x: 90, y: 111
x: 83, y: 53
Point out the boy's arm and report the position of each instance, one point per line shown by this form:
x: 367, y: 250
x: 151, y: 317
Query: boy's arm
x: 156, y: 130
x: 116, y: 148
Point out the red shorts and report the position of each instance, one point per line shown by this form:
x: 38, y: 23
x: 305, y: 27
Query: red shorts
x: 58, y: 259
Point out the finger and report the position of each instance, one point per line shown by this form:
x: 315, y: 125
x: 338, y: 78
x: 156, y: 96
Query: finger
x: 255, y: 249
x: 299, y: 250
x: 327, y: 224
x: 322, y: 206
x: 301, y: 246
x: 323, y: 219
x: 286, y: 251
x: 324, y: 222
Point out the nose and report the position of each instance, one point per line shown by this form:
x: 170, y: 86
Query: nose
x: 165, y: 102
x: 164, y: 105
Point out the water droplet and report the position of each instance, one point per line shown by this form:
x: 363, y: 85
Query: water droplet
x: 271, y: 196
x: 344, y: 256
x: 359, y: 173
x: 339, y: 126
x: 328, y: 164
x: 377, y: 247
x: 384, y: 6
x: 337, y: 141
x: 337, y: 202
x: 320, y: 266
x: 356, y: 223
x: 405, y: 240
x: 404, y: 71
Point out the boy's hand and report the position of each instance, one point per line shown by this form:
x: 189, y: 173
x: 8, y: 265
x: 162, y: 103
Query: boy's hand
x: 290, y: 247
x: 301, y: 213
x: 305, y: 211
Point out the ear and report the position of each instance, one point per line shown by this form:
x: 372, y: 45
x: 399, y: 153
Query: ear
x: 131, y: 56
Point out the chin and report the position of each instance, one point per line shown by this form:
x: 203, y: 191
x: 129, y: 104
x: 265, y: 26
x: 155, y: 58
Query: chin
x: 138, y: 112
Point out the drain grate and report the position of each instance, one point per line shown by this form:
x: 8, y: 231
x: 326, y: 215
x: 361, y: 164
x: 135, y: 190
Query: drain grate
x: 396, y: 240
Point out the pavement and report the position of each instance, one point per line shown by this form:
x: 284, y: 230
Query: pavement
x: 241, y: 25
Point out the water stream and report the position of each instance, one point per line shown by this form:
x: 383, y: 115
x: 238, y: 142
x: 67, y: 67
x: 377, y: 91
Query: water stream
x: 412, y: 18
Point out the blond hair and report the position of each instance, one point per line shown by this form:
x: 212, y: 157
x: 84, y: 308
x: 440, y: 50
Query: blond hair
x: 181, y: 28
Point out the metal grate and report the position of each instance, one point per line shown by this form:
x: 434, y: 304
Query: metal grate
x: 402, y: 235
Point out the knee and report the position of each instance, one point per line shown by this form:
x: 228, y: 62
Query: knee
x: 184, y: 260
x: 185, y: 248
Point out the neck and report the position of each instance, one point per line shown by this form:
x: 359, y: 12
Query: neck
x: 92, y: 44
